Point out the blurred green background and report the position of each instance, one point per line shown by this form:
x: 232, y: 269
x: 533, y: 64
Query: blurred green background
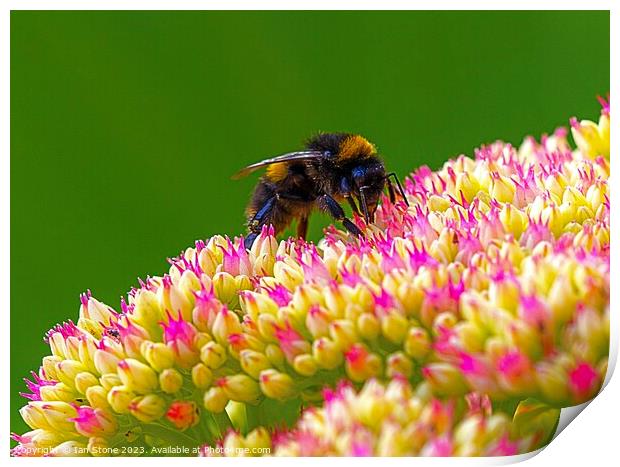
x: 125, y: 126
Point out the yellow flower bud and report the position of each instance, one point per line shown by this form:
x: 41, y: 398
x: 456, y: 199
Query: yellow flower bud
x: 49, y: 366
x: 225, y: 288
x: 307, y: 296
x: 174, y: 300
x: 444, y: 249
x: 372, y: 405
x: 555, y: 183
x: 57, y: 392
x: 85, y: 380
x: 226, y: 323
x: 91, y: 327
x: 317, y: 321
x: 72, y: 348
x: 444, y: 321
x: 147, y: 311
x: 502, y: 188
x: 201, y: 339
x: 394, y: 327
x: 290, y: 276
x: 97, y: 397
x: 513, y: 220
x: 105, y: 362
x: 137, y: 376
x: 532, y: 417
x: 468, y: 185
x: 188, y: 283
x: 57, y: 345
x: 109, y: 380
x: 119, y: 398
x: 242, y: 282
x: 158, y: 355
x: 445, y: 379
x: 305, y: 365
x: 265, y: 245
x: 417, y: 343
x: 335, y: 300
x: 504, y: 293
x: 552, y: 380
x: 326, y: 353
x: 562, y: 299
x: 253, y: 362
x: 207, y: 261
x: 437, y: 203
x: 92, y: 309
x: 147, y: 408
x: 213, y: 355
x: 98, y: 447
x: 67, y: 370
x: 470, y: 336
x: 399, y: 364
x: 215, y: 400
x: 86, y: 351
x: 267, y: 326
x: 33, y: 416
x: 592, y: 139
x: 170, y: 381
x: 258, y: 439
x: 56, y: 414
x: 276, y: 385
x: 368, y: 326
x: 239, y: 388
x: 343, y: 333
x: 254, y: 304
x: 525, y: 338
x: 595, y: 196
x: 201, y: 376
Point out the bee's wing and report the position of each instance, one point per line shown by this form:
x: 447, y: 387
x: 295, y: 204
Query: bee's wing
x: 291, y: 156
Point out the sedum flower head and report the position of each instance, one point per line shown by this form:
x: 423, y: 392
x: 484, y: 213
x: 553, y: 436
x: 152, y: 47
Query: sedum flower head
x: 494, y: 281
x: 394, y: 420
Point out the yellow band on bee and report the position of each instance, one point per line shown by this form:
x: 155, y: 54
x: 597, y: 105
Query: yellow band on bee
x: 356, y: 146
x: 277, y: 172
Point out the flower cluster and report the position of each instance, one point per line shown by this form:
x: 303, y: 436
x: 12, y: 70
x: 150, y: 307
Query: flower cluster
x: 493, y: 281
x: 393, y: 420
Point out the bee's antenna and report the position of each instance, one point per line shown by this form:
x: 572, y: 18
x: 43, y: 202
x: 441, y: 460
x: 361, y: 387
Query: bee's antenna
x: 364, y: 205
x: 400, y: 187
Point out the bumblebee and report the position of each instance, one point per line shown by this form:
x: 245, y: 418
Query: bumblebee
x: 334, y: 167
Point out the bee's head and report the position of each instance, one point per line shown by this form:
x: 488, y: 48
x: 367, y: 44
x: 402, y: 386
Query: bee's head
x: 368, y: 181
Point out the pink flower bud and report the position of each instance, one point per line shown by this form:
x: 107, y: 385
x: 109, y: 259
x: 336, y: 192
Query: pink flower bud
x: 183, y: 414
x: 94, y: 422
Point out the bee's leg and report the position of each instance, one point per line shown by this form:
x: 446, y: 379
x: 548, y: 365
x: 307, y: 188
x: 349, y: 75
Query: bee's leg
x: 302, y: 226
x: 400, y: 187
x: 354, y: 207
x: 261, y: 218
x: 390, y: 189
x: 331, y: 206
x: 345, y: 189
x: 249, y: 240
